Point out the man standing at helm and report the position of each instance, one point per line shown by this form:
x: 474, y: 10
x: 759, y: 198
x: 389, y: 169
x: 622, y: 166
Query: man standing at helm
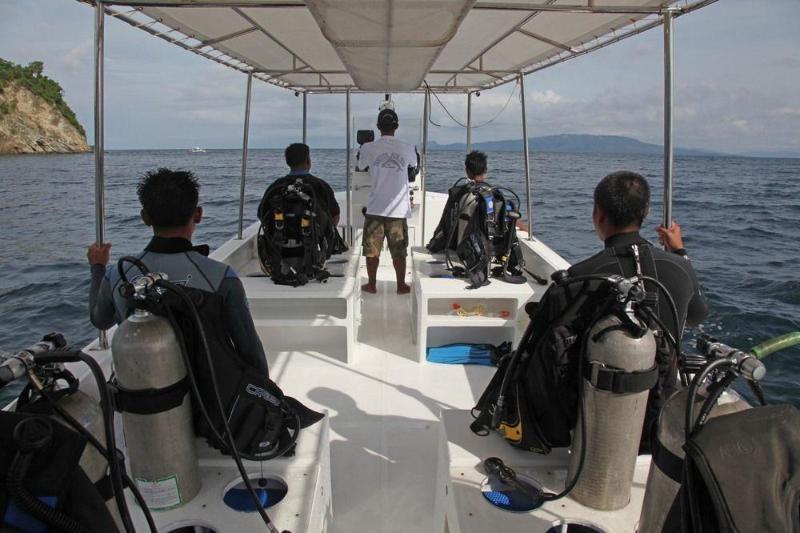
x: 389, y: 206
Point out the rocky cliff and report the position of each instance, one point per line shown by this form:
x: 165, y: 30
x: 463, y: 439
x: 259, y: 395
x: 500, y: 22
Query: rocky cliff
x: 29, y: 124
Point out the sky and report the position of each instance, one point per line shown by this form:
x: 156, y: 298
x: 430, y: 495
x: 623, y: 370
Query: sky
x: 737, y: 86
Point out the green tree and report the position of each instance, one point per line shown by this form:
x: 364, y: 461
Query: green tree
x: 36, y: 68
x: 32, y: 77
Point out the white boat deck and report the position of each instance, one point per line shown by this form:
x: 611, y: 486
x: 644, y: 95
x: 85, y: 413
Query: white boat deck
x: 385, y: 405
x: 384, y: 416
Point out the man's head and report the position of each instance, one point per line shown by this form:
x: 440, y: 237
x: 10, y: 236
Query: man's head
x: 169, y: 202
x: 388, y: 122
x: 621, y: 203
x: 298, y: 156
x: 475, y: 165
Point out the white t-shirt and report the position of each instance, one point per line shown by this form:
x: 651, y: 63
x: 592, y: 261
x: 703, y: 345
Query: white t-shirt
x: 388, y: 160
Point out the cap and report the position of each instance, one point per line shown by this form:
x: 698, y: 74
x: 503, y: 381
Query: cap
x: 387, y: 119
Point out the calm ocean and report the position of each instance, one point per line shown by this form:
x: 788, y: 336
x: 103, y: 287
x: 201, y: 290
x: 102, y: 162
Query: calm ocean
x: 739, y: 216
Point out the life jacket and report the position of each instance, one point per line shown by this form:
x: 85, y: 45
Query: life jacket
x: 539, y: 381
x: 297, y: 234
x: 478, y: 224
x: 44, y: 488
x: 264, y: 422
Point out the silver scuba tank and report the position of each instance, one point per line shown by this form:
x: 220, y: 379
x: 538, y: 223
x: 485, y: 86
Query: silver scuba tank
x: 613, y: 421
x: 86, y: 410
x: 161, y: 446
x: 662, y: 489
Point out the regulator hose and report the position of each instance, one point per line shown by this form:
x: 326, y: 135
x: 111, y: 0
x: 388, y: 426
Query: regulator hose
x: 115, y: 464
x: 583, y: 354
x: 694, y: 387
x: 24, y: 434
x: 102, y: 450
x: 204, y: 410
x: 228, y: 433
x: 718, y: 388
x: 134, y: 261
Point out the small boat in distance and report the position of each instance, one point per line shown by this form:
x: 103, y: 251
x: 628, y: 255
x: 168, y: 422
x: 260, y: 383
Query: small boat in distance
x: 198, y: 150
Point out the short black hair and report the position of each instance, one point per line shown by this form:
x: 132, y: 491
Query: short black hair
x: 475, y: 163
x: 169, y: 197
x: 624, y: 197
x: 297, y: 154
x: 387, y: 121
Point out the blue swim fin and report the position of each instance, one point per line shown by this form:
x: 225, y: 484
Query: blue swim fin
x: 462, y: 354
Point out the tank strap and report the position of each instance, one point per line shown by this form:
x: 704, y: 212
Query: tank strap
x: 619, y: 381
x: 148, y: 401
x: 670, y: 464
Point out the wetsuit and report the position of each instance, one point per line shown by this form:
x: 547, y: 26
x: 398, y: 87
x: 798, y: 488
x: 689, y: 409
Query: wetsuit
x: 186, y: 265
x: 674, y: 270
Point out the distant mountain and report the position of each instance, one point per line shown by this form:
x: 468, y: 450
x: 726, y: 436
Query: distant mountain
x: 576, y: 143
x: 774, y: 154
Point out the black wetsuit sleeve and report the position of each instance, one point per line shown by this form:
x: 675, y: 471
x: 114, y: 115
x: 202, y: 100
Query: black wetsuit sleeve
x: 239, y: 324
x: 101, y: 301
x: 333, y: 205
x: 697, y: 309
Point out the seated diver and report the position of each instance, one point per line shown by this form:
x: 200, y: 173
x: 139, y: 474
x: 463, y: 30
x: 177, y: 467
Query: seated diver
x: 170, y: 206
x: 298, y: 159
x: 621, y: 203
x: 532, y: 400
x: 476, y: 169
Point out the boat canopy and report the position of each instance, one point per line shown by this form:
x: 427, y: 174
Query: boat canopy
x: 392, y: 45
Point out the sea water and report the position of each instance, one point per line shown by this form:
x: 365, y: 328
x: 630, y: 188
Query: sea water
x: 740, y: 219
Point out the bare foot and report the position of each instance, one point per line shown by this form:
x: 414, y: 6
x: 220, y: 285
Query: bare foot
x: 369, y: 287
x: 403, y: 289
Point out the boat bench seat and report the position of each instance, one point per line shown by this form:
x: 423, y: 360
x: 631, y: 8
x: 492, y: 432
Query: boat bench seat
x: 283, y: 315
x: 460, y: 507
x: 446, y: 311
x: 307, y: 506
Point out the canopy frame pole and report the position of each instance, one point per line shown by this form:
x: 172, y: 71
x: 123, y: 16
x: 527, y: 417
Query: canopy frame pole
x: 526, y: 157
x: 348, y: 230
x: 668, y: 90
x: 305, y: 118
x: 469, y: 121
x: 244, y: 153
x: 424, y: 159
x: 99, y: 137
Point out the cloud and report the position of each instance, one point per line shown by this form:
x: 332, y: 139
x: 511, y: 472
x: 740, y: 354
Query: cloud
x: 76, y: 58
x: 786, y: 111
x: 728, y: 97
x: 547, y: 97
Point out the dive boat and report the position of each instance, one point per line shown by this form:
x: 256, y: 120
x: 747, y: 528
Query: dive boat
x: 394, y: 452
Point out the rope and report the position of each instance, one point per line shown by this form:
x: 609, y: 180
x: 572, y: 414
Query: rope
x: 454, y: 119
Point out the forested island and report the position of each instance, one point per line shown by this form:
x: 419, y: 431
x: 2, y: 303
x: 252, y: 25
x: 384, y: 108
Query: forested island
x: 34, y: 117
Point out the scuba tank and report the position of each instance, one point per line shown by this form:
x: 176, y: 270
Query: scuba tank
x: 156, y: 411
x: 614, y: 413
x: 86, y: 410
x: 661, y: 508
